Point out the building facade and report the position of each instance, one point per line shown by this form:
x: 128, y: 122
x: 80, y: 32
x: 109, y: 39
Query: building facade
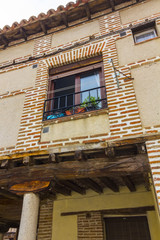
x: 80, y: 123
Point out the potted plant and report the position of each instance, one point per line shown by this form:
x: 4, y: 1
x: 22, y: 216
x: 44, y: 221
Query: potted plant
x: 69, y: 111
x: 90, y: 103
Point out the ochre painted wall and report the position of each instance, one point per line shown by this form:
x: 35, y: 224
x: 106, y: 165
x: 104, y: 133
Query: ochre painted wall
x: 17, y: 51
x: 92, y: 201
x: 139, y: 11
x: 77, y: 128
x: 147, y: 88
x: 72, y: 34
x: 10, y: 115
x: 17, y: 79
x: 129, y: 52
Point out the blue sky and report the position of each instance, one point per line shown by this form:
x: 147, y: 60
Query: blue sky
x: 16, y: 10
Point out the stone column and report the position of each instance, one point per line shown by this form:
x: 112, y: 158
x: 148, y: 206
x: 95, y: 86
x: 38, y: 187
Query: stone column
x: 29, y: 217
x: 1, y: 236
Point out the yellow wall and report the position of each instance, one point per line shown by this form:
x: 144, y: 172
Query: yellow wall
x: 17, y: 51
x: 92, y: 201
x: 77, y: 128
x: 129, y: 52
x: 72, y: 34
x: 10, y: 115
x: 147, y: 88
x: 17, y: 79
x: 139, y: 11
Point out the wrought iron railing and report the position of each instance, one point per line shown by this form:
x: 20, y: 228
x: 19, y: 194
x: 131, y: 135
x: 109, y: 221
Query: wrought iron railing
x: 84, y: 101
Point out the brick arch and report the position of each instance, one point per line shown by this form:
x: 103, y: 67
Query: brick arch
x: 76, y: 54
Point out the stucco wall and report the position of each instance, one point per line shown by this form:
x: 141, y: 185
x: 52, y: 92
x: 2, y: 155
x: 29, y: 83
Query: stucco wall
x: 72, y: 34
x: 17, y: 51
x: 92, y: 201
x: 77, y: 128
x: 147, y: 88
x: 17, y: 79
x: 10, y: 115
x: 129, y: 52
x: 140, y: 11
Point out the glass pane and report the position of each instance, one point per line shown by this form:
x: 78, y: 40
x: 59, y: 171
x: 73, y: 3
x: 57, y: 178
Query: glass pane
x: 145, y: 36
x: 89, y: 81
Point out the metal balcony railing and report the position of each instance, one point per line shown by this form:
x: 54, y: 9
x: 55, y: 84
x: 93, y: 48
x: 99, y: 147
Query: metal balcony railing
x: 84, y: 101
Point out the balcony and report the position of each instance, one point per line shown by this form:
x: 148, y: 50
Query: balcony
x: 75, y: 103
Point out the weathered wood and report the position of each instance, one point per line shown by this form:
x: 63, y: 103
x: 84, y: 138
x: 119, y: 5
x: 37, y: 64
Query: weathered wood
x: 75, y: 169
x: 128, y: 182
x: 43, y: 27
x: 9, y: 195
x: 64, y: 19
x: 88, y: 13
x: 80, y: 155
x: 112, y: 4
x: 4, y: 40
x: 92, y: 184
x: 74, y: 187
x: 109, y: 183
x: 121, y: 211
x: 31, y: 186
x: 23, y: 32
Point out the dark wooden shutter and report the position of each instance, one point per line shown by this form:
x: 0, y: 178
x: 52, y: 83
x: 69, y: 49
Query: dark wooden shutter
x: 127, y: 228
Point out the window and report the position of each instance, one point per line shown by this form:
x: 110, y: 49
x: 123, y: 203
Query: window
x: 127, y: 228
x: 144, y: 32
x: 75, y: 88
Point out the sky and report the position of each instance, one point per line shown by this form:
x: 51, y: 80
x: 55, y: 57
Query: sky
x: 15, y: 10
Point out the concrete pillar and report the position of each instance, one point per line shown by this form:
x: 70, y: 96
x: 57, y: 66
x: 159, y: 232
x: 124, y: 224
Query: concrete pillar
x: 29, y: 217
x: 1, y: 236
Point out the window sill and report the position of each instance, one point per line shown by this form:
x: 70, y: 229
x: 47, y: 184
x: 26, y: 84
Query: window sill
x: 146, y: 41
x: 76, y: 116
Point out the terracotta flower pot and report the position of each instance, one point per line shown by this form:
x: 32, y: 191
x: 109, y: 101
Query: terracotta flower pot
x: 80, y: 110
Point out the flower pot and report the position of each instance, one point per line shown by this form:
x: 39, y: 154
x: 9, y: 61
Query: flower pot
x: 80, y: 110
x: 68, y: 112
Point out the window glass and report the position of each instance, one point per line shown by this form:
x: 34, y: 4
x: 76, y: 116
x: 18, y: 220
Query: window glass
x: 88, y: 81
x: 145, y: 36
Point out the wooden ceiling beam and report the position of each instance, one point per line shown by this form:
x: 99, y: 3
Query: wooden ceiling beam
x: 74, y: 187
x: 112, y: 4
x: 23, y: 32
x: 64, y: 19
x: 110, y: 184
x: 88, y: 13
x: 9, y: 195
x: 128, y: 182
x: 43, y: 27
x: 92, y: 184
x: 4, y: 40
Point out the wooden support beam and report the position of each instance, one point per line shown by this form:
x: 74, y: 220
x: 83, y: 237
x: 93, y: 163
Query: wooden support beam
x: 26, y: 160
x: 23, y: 32
x: 128, y: 182
x: 121, y: 211
x: 74, y: 187
x: 110, y: 184
x: 64, y: 19
x: 112, y: 4
x: 69, y: 170
x: 92, y: 184
x: 43, y: 27
x: 80, y: 156
x: 88, y: 13
x: 9, y: 195
x: 110, y: 152
x: 58, y: 188
x: 4, y: 40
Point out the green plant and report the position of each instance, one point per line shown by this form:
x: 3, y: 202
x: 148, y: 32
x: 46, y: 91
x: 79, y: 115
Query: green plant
x: 90, y: 102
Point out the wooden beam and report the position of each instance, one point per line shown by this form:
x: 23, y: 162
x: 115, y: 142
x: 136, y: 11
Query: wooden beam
x: 64, y: 19
x: 74, y: 187
x: 110, y: 184
x: 128, y: 182
x: 121, y: 211
x: 69, y: 170
x: 92, y: 184
x: 4, y: 40
x: 112, y: 4
x: 43, y: 27
x: 58, y: 188
x: 80, y: 155
x: 88, y: 13
x: 110, y: 152
x: 23, y: 32
x: 9, y: 195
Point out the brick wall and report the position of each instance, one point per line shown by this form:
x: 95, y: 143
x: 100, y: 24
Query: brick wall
x: 90, y: 226
x: 45, y: 220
